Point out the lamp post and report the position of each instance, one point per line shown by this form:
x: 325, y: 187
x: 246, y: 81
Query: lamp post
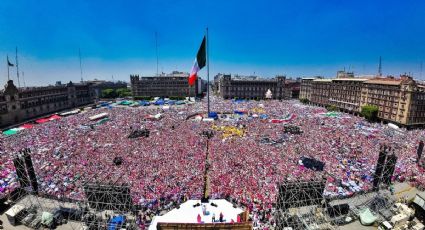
x: 206, y: 190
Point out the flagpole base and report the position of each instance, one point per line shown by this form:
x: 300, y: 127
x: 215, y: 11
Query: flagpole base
x: 204, y: 200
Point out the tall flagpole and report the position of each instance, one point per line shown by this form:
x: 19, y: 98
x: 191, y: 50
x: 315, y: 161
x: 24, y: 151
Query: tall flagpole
x: 8, y: 77
x: 208, y: 72
x: 17, y: 68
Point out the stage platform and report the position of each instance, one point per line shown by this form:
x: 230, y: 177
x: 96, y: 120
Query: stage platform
x: 187, y: 213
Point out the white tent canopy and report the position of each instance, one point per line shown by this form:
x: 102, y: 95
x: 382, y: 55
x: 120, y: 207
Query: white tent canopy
x: 98, y: 116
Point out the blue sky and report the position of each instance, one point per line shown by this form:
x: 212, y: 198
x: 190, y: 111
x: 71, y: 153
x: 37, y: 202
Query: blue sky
x: 294, y: 38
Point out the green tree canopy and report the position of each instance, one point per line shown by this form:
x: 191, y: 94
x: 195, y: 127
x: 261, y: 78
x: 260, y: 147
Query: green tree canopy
x: 114, y: 93
x: 123, y: 92
x: 370, y: 112
x: 109, y: 93
x: 332, y: 108
x: 304, y: 100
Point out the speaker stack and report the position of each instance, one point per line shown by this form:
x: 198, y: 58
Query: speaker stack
x: 420, y: 150
x: 25, y: 170
x: 385, y: 167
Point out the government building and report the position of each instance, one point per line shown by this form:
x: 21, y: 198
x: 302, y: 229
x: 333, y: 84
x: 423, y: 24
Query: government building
x: 399, y: 100
x: 20, y: 104
x: 175, y: 84
x: 253, y: 87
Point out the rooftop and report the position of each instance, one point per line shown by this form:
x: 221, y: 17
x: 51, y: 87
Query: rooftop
x: 384, y: 81
x: 351, y: 79
x: 323, y: 80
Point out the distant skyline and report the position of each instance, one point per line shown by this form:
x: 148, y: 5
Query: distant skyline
x: 268, y: 38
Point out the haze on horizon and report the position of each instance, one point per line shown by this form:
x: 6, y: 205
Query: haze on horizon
x: 293, y: 38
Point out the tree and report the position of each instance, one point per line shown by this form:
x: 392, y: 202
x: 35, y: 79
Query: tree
x: 370, y: 112
x: 109, y: 93
x: 123, y: 92
x: 304, y: 100
x: 332, y: 108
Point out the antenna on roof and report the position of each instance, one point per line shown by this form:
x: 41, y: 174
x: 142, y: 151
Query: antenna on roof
x: 81, y: 69
x: 380, y: 66
x: 420, y: 72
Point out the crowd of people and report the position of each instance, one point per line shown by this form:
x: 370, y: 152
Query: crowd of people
x: 167, y: 166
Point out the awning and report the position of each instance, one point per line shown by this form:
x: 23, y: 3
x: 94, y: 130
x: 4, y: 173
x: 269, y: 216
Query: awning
x: 42, y: 120
x: 26, y: 126
x: 10, y: 132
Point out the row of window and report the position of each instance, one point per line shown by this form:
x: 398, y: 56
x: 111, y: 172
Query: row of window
x: 42, y: 93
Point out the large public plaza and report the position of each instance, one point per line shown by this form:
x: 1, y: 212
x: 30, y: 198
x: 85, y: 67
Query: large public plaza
x: 250, y: 152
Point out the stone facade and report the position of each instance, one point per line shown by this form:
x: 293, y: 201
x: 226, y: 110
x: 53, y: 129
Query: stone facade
x: 171, y: 85
x: 18, y: 105
x: 305, y: 89
x: 345, y: 94
x: 320, y: 91
x: 250, y: 87
x: 399, y: 100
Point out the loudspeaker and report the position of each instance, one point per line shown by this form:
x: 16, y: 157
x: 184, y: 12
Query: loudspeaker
x: 20, y: 171
x: 379, y: 168
x: 31, y: 172
x: 420, y: 150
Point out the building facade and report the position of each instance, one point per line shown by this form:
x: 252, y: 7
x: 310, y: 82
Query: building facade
x: 20, y: 104
x: 250, y: 87
x: 320, y: 91
x: 399, y: 100
x: 305, y: 88
x: 345, y: 94
x: 293, y: 88
x: 166, y: 85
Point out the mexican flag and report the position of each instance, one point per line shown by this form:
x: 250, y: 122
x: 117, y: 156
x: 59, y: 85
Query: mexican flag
x: 200, y: 62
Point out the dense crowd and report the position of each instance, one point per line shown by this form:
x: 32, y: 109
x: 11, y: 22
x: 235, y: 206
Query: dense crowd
x: 167, y: 166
